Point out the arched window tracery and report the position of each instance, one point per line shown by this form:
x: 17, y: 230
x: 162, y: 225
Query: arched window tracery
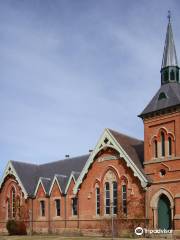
x: 110, y: 193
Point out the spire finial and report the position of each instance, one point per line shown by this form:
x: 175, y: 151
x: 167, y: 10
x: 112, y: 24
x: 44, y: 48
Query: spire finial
x: 169, y: 16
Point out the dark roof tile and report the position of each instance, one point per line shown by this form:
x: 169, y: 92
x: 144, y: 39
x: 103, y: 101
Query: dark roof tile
x: 172, y: 91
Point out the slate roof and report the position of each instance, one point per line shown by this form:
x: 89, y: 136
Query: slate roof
x: 172, y: 91
x: 62, y: 180
x: 46, y: 183
x: 133, y: 147
x: 29, y: 174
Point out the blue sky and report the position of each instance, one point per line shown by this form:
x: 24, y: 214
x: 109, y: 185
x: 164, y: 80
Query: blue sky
x: 69, y: 69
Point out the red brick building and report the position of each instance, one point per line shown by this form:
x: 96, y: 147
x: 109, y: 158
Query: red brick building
x: 134, y: 182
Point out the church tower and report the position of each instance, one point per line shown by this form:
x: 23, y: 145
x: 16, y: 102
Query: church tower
x: 161, y: 119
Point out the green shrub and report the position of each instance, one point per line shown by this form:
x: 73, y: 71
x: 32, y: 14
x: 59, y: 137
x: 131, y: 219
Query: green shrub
x: 16, y: 227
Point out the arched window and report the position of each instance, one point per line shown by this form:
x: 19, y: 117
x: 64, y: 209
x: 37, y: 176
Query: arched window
x: 124, y: 199
x: 115, y: 196
x: 155, y: 149
x: 13, y: 197
x: 166, y: 76
x: 162, y: 95
x: 169, y: 146
x: 97, y: 200
x: 110, y: 193
x: 162, y: 144
x: 8, y: 209
x: 18, y: 206
x: 107, y: 198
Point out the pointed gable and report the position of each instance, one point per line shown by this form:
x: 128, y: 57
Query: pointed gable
x: 130, y: 149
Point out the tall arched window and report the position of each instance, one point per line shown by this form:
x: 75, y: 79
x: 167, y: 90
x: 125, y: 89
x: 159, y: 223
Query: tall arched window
x: 97, y: 200
x: 115, y: 197
x: 110, y: 193
x: 8, y: 209
x: 162, y: 144
x: 107, y: 196
x: 13, y: 197
x: 169, y: 146
x: 155, y: 149
x: 124, y: 199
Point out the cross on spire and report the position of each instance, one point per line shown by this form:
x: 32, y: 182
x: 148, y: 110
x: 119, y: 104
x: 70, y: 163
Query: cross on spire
x: 169, y: 16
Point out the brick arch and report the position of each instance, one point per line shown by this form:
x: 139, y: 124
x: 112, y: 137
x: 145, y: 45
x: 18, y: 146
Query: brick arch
x: 97, y: 182
x: 154, y: 205
x: 153, y: 138
x: 170, y: 134
x: 156, y: 196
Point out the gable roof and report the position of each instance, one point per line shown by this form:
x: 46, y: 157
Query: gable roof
x: 133, y: 147
x: 172, y: 92
x: 45, y: 183
x: 63, y: 171
x: 130, y: 149
x: 29, y: 174
x: 62, y: 182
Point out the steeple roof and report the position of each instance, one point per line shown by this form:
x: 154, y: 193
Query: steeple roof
x: 170, y: 98
x: 169, y: 55
x: 168, y: 95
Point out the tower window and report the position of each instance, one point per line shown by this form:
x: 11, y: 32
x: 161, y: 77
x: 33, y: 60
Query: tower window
x: 166, y: 76
x: 155, y: 149
x: 162, y: 144
x: 162, y: 95
x: 169, y: 146
x: 162, y: 172
x: 172, y: 75
x: 177, y: 75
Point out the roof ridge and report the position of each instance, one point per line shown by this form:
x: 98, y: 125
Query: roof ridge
x: 15, y: 161
x: 65, y: 159
x: 125, y: 135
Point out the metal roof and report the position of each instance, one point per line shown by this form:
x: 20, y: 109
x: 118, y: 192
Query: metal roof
x: 169, y: 55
